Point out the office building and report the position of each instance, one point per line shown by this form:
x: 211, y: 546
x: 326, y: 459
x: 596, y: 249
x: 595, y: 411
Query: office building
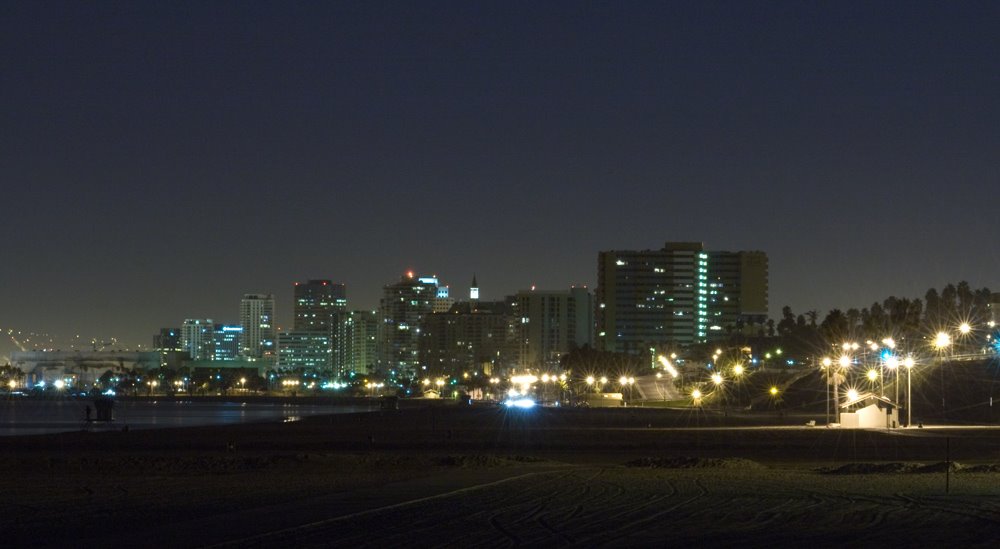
x: 472, y: 338
x: 318, y: 304
x: 257, y: 340
x: 197, y: 338
x: 737, y: 294
x: 358, y: 343
x: 401, y: 312
x: 553, y: 323
x: 168, y: 340
x: 309, y: 350
x: 226, y: 339
x: 679, y: 295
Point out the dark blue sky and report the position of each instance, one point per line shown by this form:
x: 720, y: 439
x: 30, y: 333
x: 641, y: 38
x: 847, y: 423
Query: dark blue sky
x: 160, y: 159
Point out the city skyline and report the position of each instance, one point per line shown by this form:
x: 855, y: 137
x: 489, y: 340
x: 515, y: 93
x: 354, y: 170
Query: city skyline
x: 160, y: 161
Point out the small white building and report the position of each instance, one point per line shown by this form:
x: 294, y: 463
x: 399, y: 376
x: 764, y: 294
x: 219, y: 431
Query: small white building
x: 869, y: 411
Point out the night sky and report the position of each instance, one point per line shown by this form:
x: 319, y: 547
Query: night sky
x: 160, y: 159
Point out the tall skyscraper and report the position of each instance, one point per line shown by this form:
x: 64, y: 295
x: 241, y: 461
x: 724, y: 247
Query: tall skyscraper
x: 257, y: 341
x: 401, y: 312
x: 737, y: 293
x: 226, y: 338
x: 473, y: 337
x: 553, y: 324
x: 318, y: 304
x: 169, y: 339
x: 358, y: 343
x: 197, y: 338
x: 652, y: 298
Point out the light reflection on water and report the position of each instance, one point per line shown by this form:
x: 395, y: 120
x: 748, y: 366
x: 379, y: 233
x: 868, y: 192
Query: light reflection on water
x: 30, y: 417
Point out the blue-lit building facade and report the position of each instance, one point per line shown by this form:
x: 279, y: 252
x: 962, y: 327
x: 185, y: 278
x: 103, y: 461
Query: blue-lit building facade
x: 227, y: 341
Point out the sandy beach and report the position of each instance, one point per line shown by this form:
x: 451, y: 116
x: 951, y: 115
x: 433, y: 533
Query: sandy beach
x: 486, y: 476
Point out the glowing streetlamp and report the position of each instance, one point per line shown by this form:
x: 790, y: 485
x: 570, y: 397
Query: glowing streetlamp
x: 626, y: 383
x: 827, y: 364
x: 892, y: 363
x: 844, y: 362
x: 941, y: 342
x: 908, y: 362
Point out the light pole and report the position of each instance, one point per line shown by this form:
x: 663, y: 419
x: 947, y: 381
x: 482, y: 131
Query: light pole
x: 827, y: 365
x: 717, y: 380
x: 892, y: 363
x: 941, y: 342
x: 844, y: 362
x: 909, y: 395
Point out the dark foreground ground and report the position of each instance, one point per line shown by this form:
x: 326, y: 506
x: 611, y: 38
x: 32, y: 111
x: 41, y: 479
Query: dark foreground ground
x: 490, y: 477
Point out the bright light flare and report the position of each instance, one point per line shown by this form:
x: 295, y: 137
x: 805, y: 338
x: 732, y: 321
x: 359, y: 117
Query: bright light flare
x: 696, y: 394
x: 844, y: 361
x: 852, y: 394
x: 909, y: 362
x: 717, y: 379
x: 964, y: 328
x: 872, y: 375
x: 891, y: 362
x: 738, y: 370
x: 523, y: 403
x: 942, y: 340
x: 668, y: 366
x: 773, y: 390
x: 526, y: 379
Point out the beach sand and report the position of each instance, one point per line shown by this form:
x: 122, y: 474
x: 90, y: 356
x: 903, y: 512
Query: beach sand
x: 487, y: 476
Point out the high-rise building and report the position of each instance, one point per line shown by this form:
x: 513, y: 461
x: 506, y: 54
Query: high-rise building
x: 307, y: 349
x: 318, y: 304
x: 169, y: 339
x: 358, y: 339
x: 226, y: 339
x: 197, y: 338
x: 737, y: 293
x: 257, y: 318
x: 552, y: 324
x: 473, y: 337
x: 401, y: 312
x: 678, y: 295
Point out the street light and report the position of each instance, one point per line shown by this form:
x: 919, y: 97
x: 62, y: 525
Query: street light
x: 892, y: 363
x: 941, y: 342
x: 827, y: 365
x: 844, y: 362
x: 908, y: 362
